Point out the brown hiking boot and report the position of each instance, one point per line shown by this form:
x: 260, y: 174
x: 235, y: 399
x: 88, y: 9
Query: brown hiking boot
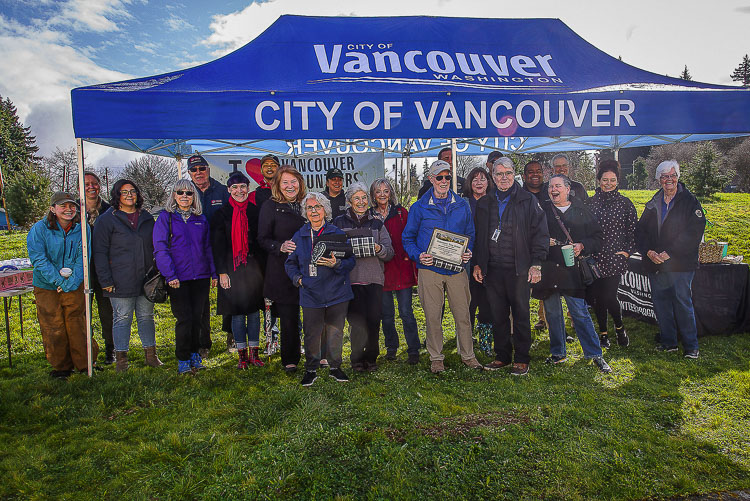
x: 495, y: 365
x: 473, y: 363
x: 520, y: 369
x: 121, y: 361
x: 152, y: 360
x: 437, y: 366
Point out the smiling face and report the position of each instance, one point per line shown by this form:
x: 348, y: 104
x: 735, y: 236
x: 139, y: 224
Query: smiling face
x: 268, y: 169
x: 442, y: 183
x: 534, y: 176
x: 561, y: 166
x: 608, y: 181
x: 382, y: 195
x: 558, y: 192
x: 504, y: 177
x: 128, y: 197
x: 479, y: 185
x: 446, y: 156
x: 65, y: 212
x: 315, y: 212
x: 91, y: 187
x: 360, y: 202
x: 668, y: 181
x: 289, y: 186
x: 335, y: 185
x: 200, y: 174
x: 184, y: 199
x: 239, y: 191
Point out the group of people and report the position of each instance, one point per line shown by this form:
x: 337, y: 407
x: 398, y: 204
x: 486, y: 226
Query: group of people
x: 534, y: 239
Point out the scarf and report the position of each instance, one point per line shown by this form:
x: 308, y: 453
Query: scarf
x: 185, y: 214
x: 93, y: 214
x: 240, y: 247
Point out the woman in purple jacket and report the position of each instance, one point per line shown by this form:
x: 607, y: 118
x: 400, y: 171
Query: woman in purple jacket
x: 182, y: 249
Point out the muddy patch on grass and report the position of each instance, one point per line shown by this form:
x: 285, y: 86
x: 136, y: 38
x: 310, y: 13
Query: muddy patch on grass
x: 464, y: 426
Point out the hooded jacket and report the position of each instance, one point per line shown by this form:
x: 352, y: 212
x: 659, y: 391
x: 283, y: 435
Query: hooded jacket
x: 50, y: 250
x: 679, y: 235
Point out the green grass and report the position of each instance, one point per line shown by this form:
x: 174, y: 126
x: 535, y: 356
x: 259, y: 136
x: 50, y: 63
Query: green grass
x: 659, y: 426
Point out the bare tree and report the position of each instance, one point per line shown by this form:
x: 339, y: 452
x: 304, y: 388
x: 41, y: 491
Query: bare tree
x: 154, y: 176
x: 467, y: 162
x: 61, y: 167
x: 682, y: 152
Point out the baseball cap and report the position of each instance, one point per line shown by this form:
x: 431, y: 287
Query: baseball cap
x: 335, y: 172
x: 494, y: 155
x: 439, y: 166
x: 60, y: 197
x: 270, y: 157
x: 196, y: 160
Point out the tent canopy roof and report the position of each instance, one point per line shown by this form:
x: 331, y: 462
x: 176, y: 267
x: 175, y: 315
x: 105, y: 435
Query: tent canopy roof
x: 404, y: 77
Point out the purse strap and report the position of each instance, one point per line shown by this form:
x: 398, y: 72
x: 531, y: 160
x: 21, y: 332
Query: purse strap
x: 559, y: 221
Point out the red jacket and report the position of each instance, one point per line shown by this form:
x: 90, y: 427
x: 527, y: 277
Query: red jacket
x: 400, y: 272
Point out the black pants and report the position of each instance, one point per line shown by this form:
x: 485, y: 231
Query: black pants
x: 188, y: 301
x: 602, y: 294
x: 315, y: 322
x: 365, y: 312
x: 479, y: 302
x: 289, y: 318
x: 105, y: 317
x: 509, y: 294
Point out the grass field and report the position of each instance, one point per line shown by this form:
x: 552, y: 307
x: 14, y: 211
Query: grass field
x: 659, y: 426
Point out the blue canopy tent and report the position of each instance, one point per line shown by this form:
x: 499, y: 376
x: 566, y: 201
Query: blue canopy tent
x: 349, y: 80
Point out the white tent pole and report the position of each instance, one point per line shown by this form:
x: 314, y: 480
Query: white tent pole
x: 408, y: 179
x: 178, y: 161
x: 454, y: 161
x: 84, y: 240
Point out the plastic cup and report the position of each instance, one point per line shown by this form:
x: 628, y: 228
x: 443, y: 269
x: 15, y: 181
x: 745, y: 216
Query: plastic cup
x: 66, y: 272
x: 569, y: 255
x: 724, y: 247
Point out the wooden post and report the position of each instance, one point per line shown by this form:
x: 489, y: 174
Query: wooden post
x: 85, y: 241
x: 454, y: 162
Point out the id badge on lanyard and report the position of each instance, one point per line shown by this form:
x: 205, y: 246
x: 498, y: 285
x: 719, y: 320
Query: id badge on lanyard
x: 496, y: 235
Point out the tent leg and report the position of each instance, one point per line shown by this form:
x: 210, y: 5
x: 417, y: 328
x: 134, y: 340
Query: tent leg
x: 408, y: 179
x: 178, y: 160
x: 86, y: 261
x: 454, y: 162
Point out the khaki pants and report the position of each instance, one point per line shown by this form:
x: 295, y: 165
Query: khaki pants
x: 62, y: 320
x: 432, y: 289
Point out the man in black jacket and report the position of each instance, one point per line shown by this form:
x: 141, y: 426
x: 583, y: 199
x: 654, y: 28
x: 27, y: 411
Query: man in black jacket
x: 269, y: 164
x: 512, y: 239
x: 667, y: 236
x: 561, y: 165
x: 334, y: 191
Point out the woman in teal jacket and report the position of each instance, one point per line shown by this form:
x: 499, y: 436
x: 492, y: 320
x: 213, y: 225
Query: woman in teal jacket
x: 56, y: 252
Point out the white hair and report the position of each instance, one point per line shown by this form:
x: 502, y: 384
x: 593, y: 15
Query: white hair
x: 354, y: 188
x: 558, y: 156
x: 315, y: 195
x: 666, y: 166
x: 505, y: 162
x: 184, y: 185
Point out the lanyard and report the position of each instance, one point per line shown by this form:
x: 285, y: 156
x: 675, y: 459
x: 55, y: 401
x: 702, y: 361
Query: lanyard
x: 312, y: 238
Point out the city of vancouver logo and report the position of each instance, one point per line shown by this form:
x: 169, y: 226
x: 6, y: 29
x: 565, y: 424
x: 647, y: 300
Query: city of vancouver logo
x: 379, y: 62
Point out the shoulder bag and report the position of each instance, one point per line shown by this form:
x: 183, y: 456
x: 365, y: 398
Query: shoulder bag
x: 587, y: 265
x: 155, y: 287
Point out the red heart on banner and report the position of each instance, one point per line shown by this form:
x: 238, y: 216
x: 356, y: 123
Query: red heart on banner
x: 252, y: 167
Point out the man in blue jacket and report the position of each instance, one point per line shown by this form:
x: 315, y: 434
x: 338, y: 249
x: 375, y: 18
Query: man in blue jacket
x: 213, y: 196
x: 442, y: 208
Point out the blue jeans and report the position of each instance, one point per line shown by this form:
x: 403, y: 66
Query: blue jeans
x: 122, y: 319
x: 246, y: 330
x: 582, y: 324
x: 406, y: 313
x: 673, y: 305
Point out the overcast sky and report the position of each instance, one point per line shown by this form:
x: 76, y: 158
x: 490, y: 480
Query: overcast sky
x: 49, y: 47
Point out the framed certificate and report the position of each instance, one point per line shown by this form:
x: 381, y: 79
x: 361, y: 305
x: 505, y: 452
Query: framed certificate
x: 448, y: 246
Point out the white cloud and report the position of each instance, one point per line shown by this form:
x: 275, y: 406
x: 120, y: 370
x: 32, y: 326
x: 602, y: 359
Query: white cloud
x: 147, y: 47
x: 91, y: 15
x: 176, y: 23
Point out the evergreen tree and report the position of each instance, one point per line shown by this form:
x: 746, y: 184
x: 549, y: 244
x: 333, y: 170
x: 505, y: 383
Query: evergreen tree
x: 17, y: 145
x: 27, y: 194
x: 704, y: 175
x: 685, y: 75
x: 638, y: 180
x: 742, y: 72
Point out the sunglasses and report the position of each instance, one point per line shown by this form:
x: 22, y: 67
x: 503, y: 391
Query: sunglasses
x: 447, y: 177
x: 183, y: 192
x: 196, y: 169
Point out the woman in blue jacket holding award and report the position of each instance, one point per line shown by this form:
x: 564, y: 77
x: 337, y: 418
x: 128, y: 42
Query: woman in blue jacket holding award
x: 324, y: 289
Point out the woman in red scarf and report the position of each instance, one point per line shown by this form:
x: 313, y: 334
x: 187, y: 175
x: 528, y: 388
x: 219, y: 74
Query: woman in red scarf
x: 234, y: 233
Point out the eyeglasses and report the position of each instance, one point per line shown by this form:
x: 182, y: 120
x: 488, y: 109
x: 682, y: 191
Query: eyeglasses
x: 314, y: 208
x: 238, y: 186
x: 664, y: 177
x: 447, y: 177
x: 183, y: 192
x: 505, y: 174
x: 196, y: 169
x: 128, y: 192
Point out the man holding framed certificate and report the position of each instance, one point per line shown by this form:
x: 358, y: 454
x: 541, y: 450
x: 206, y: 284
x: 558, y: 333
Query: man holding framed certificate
x: 439, y: 236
